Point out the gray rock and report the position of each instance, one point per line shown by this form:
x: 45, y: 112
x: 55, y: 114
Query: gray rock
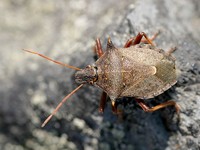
x: 65, y: 30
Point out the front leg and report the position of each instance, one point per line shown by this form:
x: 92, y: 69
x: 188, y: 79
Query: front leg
x: 103, y: 101
x: 98, y: 48
x: 99, y: 52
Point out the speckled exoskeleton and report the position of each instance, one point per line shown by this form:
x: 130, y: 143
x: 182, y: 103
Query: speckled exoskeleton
x: 137, y: 70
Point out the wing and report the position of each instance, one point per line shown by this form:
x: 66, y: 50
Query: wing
x: 133, y: 76
x: 152, y: 85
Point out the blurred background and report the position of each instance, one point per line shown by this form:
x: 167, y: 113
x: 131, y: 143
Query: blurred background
x: 65, y: 30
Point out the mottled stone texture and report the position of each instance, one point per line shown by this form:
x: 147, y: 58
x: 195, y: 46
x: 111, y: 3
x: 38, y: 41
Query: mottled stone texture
x: 65, y: 30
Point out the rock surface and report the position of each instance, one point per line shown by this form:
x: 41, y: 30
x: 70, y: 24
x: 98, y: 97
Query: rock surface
x: 65, y: 30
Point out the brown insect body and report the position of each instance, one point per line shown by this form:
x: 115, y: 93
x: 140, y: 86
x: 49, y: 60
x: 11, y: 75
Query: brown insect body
x: 140, y: 71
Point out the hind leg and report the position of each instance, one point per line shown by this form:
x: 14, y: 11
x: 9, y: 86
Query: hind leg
x: 165, y: 104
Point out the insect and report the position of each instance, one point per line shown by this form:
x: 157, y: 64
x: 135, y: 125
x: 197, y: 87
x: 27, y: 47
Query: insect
x: 138, y: 70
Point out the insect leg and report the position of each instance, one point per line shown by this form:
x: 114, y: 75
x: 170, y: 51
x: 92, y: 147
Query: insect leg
x: 99, y: 52
x: 165, y: 104
x: 114, y: 108
x: 152, y: 38
x: 171, y: 50
x: 102, y: 103
x: 129, y: 42
x: 138, y: 39
x: 98, y: 48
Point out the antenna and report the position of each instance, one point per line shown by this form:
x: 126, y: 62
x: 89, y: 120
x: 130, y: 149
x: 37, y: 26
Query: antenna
x: 60, y: 104
x: 57, y: 62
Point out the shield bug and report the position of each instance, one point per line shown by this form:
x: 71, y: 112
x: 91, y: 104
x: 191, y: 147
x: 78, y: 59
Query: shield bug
x: 138, y: 70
